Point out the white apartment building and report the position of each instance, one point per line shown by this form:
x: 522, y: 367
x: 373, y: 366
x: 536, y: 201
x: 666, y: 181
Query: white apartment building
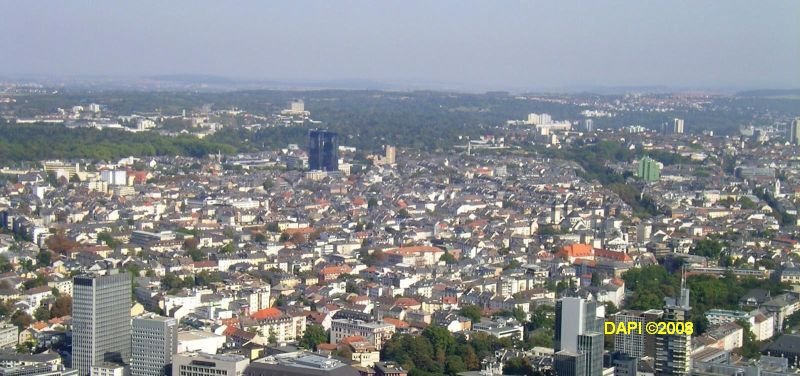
x: 375, y: 332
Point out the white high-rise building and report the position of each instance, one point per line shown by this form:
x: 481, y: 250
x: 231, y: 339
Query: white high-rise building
x: 114, y: 177
x: 588, y: 125
x: 298, y: 106
x: 258, y: 298
x: 643, y: 232
x: 154, y: 341
x: 145, y: 124
x: 539, y: 119
x: 389, y: 154
x: 578, y: 338
x: 677, y: 126
x: 794, y: 131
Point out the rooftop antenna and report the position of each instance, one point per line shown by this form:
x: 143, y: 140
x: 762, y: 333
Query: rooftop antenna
x: 684, y: 295
x: 683, y: 277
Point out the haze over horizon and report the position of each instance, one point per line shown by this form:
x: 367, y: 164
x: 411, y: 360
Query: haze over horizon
x: 487, y: 45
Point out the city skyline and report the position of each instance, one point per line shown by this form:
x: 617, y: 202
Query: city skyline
x: 355, y: 188
x: 393, y: 230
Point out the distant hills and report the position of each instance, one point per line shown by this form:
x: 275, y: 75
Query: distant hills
x: 770, y: 93
x: 242, y: 83
x: 211, y: 82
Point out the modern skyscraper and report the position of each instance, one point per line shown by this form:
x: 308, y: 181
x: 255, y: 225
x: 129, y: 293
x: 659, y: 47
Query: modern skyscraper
x: 649, y: 169
x: 794, y: 131
x: 578, y: 338
x: 389, y: 154
x: 588, y: 125
x: 323, y: 150
x: 677, y: 126
x: 153, y: 343
x: 101, y: 319
x: 673, y: 351
x: 635, y: 344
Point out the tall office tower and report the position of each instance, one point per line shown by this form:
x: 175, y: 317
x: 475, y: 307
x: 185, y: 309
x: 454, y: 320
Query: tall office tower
x: 323, y: 150
x: 297, y: 105
x: 389, y: 154
x: 578, y: 338
x: 794, y: 131
x: 636, y: 345
x: 101, y: 319
x: 673, y: 351
x: 154, y: 340
x: 588, y: 125
x: 677, y: 126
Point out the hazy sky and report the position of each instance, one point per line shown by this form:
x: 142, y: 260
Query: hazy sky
x: 488, y: 44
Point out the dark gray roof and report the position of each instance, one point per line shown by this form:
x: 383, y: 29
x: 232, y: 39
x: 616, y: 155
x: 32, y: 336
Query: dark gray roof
x: 785, y: 344
x: 35, y: 358
x: 300, y: 363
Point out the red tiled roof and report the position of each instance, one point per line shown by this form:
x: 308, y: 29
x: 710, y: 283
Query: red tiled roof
x: 585, y: 262
x: 230, y: 322
x: 300, y: 230
x: 575, y: 250
x: 357, y: 298
x: 139, y: 176
x: 586, y: 250
x: 352, y: 339
x: 336, y: 269
x: 266, y: 314
x: 478, y: 223
x: 618, y: 256
x: 406, y: 302
x: 326, y: 346
x: 59, y: 320
x: 232, y: 331
x: 449, y: 300
x: 316, y: 317
x: 205, y: 264
x: 229, y: 331
x: 397, y: 323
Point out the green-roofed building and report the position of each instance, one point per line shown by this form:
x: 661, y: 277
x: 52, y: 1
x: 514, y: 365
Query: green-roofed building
x: 649, y: 169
